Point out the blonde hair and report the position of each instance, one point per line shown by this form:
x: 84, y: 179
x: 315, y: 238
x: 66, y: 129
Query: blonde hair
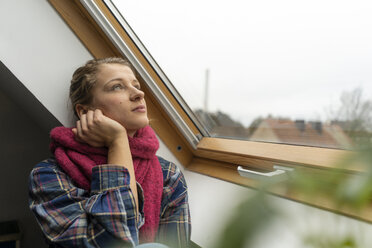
x: 84, y: 79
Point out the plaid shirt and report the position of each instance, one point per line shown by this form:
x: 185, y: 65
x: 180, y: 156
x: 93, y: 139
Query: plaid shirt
x: 106, y: 216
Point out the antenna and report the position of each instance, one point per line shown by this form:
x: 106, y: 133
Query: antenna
x: 206, y: 90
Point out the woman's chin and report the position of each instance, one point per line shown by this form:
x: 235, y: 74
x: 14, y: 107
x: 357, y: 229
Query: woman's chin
x: 144, y: 122
x: 138, y: 125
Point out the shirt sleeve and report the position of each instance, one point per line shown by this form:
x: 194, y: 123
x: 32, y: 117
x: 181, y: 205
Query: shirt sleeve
x: 175, y: 224
x: 72, y: 217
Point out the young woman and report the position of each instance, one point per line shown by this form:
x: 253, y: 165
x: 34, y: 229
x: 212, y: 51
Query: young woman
x: 104, y: 186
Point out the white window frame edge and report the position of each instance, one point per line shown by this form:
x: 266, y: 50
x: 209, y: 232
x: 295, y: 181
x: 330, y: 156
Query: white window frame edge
x: 119, y: 43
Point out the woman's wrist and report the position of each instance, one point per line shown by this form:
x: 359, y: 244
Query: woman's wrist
x: 119, y: 152
x: 119, y: 140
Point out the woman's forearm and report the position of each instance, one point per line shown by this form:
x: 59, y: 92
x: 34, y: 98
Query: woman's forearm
x: 119, y: 154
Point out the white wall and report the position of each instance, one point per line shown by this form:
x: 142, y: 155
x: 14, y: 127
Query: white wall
x: 27, y: 30
x: 41, y: 50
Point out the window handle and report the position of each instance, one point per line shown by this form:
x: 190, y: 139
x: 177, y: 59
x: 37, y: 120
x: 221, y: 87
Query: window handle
x: 279, y: 173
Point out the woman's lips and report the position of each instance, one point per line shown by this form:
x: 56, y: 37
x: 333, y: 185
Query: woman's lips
x: 140, y: 108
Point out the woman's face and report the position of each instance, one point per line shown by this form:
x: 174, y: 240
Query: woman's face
x: 117, y: 93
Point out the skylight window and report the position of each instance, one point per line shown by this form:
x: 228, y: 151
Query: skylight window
x: 276, y: 71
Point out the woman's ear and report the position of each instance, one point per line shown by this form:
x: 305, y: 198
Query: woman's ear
x: 81, y: 109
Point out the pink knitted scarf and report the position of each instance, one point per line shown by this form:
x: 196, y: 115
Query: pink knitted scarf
x: 78, y: 159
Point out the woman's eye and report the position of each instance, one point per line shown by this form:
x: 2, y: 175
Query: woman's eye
x: 117, y: 87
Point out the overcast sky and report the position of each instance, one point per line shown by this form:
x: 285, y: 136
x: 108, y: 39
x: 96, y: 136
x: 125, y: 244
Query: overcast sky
x: 287, y: 58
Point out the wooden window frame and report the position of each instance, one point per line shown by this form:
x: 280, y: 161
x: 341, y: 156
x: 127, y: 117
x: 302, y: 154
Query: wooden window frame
x: 214, y: 157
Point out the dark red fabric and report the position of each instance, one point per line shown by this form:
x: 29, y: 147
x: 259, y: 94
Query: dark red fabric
x: 78, y: 159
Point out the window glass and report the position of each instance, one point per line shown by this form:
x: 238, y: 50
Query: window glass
x: 294, y: 72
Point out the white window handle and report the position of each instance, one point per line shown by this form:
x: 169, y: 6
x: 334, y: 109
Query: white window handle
x: 279, y: 173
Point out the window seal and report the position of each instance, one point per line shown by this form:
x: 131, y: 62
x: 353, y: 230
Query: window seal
x: 263, y: 155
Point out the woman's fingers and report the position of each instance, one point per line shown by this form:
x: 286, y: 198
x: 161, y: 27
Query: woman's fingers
x: 89, y: 119
x: 97, y: 116
x: 84, y: 124
x: 86, y: 137
x: 77, y: 136
x: 78, y: 132
x: 87, y: 131
x: 79, y: 129
x: 98, y: 112
x: 98, y: 130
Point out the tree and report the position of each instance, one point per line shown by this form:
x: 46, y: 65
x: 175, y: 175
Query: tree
x: 354, y: 115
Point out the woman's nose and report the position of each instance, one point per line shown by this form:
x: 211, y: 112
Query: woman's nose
x: 137, y: 94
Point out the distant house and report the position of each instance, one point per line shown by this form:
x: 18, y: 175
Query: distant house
x: 220, y: 124
x: 300, y: 132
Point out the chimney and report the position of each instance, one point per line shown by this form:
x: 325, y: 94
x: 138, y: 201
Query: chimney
x: 300, y: 124
x: 317, y: 125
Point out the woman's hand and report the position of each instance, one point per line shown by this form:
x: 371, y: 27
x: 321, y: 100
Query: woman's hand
x: 98, y: 130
